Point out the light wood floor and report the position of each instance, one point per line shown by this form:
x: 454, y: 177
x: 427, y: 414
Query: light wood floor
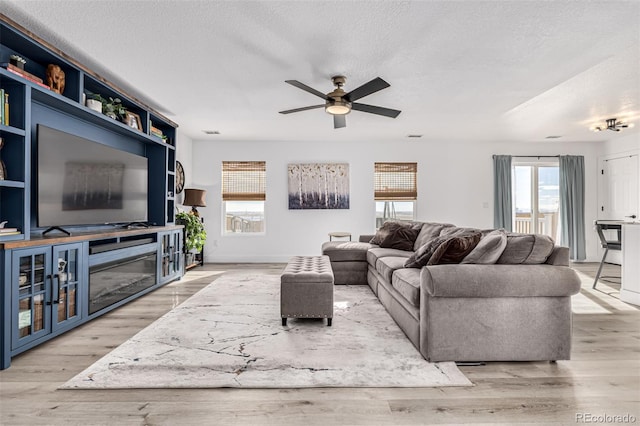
x: 602, y: 379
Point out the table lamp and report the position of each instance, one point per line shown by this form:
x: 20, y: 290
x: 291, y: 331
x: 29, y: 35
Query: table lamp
x: 194, y: 198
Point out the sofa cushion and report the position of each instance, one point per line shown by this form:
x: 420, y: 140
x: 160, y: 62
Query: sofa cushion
x: 375, y: 253
x: 346, y: 251
x: 387, y: 265
x: 527, y: 249
x: 429, y: 231
x: 455, y: 247
x: 407, y: 282
x: 489, y: 249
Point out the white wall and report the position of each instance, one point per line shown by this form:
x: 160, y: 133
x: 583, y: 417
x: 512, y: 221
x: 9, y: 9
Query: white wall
x: 184, y: 154
x: 455, y: 184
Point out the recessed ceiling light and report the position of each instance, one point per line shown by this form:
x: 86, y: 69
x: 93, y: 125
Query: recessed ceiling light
x: 553, y: 137
x: 414, y: 136
x: 211, y: 132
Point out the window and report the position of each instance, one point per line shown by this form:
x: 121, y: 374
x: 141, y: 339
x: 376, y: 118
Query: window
x: 243, y: 196
x: 395, y: 191
x: 536, y: 195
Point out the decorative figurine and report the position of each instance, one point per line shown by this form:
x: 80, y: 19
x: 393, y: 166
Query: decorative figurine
x: 55, y: 78
x: 18, y: 61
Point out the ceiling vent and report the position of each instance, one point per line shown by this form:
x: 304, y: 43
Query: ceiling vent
x: 211, y: 132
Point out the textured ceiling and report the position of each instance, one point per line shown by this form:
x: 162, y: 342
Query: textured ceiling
x: 513, y: 71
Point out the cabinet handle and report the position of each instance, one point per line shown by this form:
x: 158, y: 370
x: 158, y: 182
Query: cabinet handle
x: 50, y: 278
x: 57, y: 277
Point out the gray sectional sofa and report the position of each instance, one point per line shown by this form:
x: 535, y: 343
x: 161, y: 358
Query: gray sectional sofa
x: 497, y: 297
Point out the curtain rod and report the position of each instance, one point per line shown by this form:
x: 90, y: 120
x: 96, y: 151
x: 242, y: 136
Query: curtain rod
x: 536, y: 156
x: 533, y: 156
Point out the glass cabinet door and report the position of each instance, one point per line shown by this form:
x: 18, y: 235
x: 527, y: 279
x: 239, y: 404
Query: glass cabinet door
x: 66, y: 274
x: 177, y: 252
x: 171, y: 255
x: 33, y: 291
x: 166, y: 255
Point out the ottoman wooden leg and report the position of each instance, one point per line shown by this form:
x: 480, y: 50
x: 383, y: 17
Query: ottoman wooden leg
x: 284, y: 321
x: 329, y: 322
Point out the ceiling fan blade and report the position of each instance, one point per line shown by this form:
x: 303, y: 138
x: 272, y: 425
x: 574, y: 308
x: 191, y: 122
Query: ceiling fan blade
x: 372, y: 109
x: 289, y: 111
x: 339, y: 121
x: 306, y: 88
x: 366, y: 89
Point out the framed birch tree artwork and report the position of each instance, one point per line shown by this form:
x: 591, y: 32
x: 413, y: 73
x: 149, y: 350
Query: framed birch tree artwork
x: 318, y: 186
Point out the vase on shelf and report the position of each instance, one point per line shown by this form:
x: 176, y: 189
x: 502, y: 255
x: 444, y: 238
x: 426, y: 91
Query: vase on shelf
x: 94, y: 104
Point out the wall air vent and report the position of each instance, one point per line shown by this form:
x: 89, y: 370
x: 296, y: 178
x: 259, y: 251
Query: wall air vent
x: 211, y: 132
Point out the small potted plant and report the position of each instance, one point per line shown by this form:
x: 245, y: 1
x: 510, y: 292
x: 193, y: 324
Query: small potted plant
x: 195, y: 234
x: 111, y: 107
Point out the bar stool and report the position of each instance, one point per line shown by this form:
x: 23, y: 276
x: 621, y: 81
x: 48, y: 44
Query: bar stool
x: 607, y: 244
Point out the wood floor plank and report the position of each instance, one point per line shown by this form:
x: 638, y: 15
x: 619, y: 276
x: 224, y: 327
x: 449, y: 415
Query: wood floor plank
x: 603, y: 377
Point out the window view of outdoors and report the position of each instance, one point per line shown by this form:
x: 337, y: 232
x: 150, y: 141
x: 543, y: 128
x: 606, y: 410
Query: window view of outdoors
x: 536, y: 199
x: 394, y: 210
x: 244, y: 216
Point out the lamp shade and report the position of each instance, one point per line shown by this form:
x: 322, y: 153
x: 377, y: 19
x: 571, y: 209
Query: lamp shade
x: 194, y: 197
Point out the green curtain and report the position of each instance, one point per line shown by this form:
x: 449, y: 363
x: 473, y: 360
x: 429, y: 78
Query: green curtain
x: 572, y: 205
x: 502, y: 204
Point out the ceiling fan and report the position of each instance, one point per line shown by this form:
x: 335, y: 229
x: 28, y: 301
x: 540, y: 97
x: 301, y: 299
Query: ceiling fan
x: 612, y: 124
x: 338, y: 103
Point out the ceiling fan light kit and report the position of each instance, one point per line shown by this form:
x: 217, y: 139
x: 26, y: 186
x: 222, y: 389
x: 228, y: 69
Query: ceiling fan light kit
x: 613, y: 124
x: 338, y: 108
x: 338, y: 103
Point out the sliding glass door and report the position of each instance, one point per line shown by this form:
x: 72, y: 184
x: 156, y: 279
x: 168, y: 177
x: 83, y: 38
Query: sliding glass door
x: 536, y: 197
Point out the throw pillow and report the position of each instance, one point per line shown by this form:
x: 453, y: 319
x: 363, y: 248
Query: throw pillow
x: 386, y: 229
x: 429, y: 231
x: 489, y: 249
x: 400, y: 238
x: 421, y: 256
x: 529, y: 249
x: 455, y: 248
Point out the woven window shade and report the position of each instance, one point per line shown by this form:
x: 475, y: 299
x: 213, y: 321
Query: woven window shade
x: 244, y: 180
x: 396, y: 181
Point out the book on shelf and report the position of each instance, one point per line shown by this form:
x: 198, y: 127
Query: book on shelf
x: 28, y: 78
x: 15, y: 69
x: 155, y: 130
x: 4, y: 234
x: 5, y: 109
x: 6, y: 230
x: 2, y: 109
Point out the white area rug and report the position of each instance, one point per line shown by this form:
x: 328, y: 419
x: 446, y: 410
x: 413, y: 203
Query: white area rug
x: 230, y: 334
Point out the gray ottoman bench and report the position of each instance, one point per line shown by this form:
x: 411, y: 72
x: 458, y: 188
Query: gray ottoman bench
x: 306, y: 289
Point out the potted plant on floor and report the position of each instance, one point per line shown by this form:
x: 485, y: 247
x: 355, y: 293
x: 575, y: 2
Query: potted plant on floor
x: 195, y: 234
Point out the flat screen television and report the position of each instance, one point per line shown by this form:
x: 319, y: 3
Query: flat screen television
x: 82, y: 182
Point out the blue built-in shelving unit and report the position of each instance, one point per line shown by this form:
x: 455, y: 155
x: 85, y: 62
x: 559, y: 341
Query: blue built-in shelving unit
x: 37, y: 301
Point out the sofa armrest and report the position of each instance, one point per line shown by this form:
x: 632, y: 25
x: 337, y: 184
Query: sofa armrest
x: 365, y: 238
x: 472, y: 280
